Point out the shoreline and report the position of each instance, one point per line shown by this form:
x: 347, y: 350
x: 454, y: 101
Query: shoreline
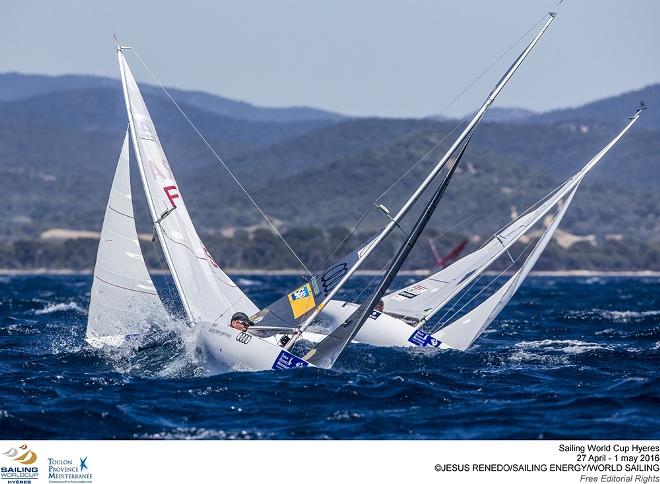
x: 294, y: 272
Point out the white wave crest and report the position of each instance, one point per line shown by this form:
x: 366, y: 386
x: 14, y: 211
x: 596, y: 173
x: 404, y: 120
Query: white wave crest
x: 569, y: 346
x: 626, y: 316
x: 612, y: 315
x: 60, y: 307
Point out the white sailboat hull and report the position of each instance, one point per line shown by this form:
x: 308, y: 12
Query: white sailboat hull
x: 227, y: 349
x: 379, y: 330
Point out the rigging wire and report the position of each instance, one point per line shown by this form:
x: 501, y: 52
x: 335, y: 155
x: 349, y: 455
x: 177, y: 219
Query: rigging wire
x: 342, y: 244
x: 482, y: 212
x: 439, y: 143
x: 215, y: 154
x: 456, y: 98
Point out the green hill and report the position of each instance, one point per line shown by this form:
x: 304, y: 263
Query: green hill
x: 58, y: 149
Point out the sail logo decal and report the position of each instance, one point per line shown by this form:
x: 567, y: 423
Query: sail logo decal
x: 332, y: 276
x: 26, y: 457
x: 302, y: 300
x: 421, y: 338
x: 244, y: 338
x: 171, y: 194
x: 160, y: 171
x: 411, y: 292
x: 286, y: 361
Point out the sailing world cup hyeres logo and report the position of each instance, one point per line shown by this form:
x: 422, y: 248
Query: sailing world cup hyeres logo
x: 22, y: 455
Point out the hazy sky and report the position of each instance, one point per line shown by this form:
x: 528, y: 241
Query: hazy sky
x: 360, y: 57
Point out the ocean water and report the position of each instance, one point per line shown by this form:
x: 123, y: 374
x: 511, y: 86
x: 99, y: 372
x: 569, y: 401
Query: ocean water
x: 568, y: 358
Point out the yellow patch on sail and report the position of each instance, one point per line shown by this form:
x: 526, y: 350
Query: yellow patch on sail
x: 302, y: 300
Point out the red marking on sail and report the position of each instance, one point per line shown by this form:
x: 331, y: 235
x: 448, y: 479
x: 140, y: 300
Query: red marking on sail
x: 442, y: 262
x: 171, y: 194
x: 210, y: 258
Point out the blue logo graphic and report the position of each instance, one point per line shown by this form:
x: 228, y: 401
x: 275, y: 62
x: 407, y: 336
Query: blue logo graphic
x: 301, y: 293
x: 286, y: 361
x: 374, y: 315
x: 83, y: 464
x: 420, y: 338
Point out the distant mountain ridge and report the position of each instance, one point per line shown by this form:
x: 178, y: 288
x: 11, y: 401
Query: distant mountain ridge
x: 15, y: 86
x: 609, y: 110
x: 60, y: 137
x: 508, y: 115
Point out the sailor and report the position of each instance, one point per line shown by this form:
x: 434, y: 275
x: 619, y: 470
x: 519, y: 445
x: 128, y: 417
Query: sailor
x: 240, y: 321
x: 379, y: 306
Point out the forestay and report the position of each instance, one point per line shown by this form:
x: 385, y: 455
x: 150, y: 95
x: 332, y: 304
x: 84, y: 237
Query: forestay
x: 207, y: 293
x: 461, y: 333
x: 123, y: 299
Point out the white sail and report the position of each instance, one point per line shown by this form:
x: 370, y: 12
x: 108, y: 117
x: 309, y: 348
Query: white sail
x: 423, y: 299
x: 418, y: 301
x: 461, y: 333
x: 123, y: 300
x: 207, y: 293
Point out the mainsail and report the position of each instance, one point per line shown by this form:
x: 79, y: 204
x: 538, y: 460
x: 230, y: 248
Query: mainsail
x: 461, y: 333
x: 423, y: 299
x: 123, y: 300
x: 207, y: 293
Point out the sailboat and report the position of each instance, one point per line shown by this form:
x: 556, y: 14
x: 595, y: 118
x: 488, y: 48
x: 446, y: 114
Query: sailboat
x: 417, y: 303
x: 313, y: 305
x: 124, y: 302
x: 209, y: 297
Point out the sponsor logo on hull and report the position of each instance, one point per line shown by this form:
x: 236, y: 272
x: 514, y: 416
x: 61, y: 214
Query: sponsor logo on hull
x: 286, y: 361
x: 243, y: 338
x: 420, y: 338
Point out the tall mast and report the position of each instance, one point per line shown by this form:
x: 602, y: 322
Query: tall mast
x: 422, y: 187
x: 152, y: 209
x: 326, y: 352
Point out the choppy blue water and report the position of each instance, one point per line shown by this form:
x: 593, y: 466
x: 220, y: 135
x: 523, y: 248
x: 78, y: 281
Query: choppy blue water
x: 568, y: 358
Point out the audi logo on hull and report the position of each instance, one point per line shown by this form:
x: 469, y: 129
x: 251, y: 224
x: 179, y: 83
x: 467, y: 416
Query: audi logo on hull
x: 243, y: 338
